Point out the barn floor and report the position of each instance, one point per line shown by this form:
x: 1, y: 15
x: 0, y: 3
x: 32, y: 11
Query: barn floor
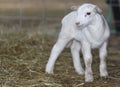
x: 23, y: 58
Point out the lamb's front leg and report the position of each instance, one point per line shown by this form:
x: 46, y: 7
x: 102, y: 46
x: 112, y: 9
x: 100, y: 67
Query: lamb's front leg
x: 56, y: 50
x: 75, y: 50
x: 86, y: 49
x: 103, y: 54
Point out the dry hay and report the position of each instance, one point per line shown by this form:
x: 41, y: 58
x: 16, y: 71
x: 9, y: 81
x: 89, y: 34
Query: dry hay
x: 23, y: 62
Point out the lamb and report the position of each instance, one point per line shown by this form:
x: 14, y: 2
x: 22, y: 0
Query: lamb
x: 85, y: 28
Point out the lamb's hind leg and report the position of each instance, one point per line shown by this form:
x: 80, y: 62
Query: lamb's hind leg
x: 103, y: 54
x: 75, y: 50
x: 56, y: 50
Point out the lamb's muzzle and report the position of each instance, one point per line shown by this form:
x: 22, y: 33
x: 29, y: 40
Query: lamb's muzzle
x: 77, y: 23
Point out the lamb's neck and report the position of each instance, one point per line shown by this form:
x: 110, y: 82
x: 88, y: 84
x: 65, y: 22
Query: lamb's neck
x: 96, y: 28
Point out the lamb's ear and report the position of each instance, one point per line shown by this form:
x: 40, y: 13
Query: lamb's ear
x: 74, y: 8
x: 98, y: 10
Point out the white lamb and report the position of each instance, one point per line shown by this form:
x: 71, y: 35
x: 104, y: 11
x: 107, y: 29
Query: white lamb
x: 83, y: 29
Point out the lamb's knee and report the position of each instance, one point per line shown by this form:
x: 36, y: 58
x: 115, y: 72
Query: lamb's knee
x: 103, y: 51
x: 103, y: 54
x: 88, y: 70
x: 88, y: 60
x: 88, y: 63
x: 103, y: 66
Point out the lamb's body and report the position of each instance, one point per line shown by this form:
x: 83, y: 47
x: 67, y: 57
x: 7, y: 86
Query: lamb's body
x: 90, y: 36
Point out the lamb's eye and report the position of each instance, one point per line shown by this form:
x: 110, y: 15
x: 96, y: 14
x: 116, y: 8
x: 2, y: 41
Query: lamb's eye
x: 88, y: 13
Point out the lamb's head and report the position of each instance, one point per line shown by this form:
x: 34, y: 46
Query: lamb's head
x: 86, y: 14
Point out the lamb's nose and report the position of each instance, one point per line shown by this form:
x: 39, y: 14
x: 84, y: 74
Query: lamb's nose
x: 77, y: 23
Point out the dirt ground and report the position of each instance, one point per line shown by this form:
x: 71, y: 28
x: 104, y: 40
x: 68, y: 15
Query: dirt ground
x: 23, y: 58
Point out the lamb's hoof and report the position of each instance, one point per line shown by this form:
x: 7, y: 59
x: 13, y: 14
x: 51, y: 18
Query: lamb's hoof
x: 104, y: 78
x: 80, y: 72
x: 89, y: 79
x: 49, y: 71
x: 104, y: 75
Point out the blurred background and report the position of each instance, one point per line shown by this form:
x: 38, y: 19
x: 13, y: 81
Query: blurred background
x: 44, y: 14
